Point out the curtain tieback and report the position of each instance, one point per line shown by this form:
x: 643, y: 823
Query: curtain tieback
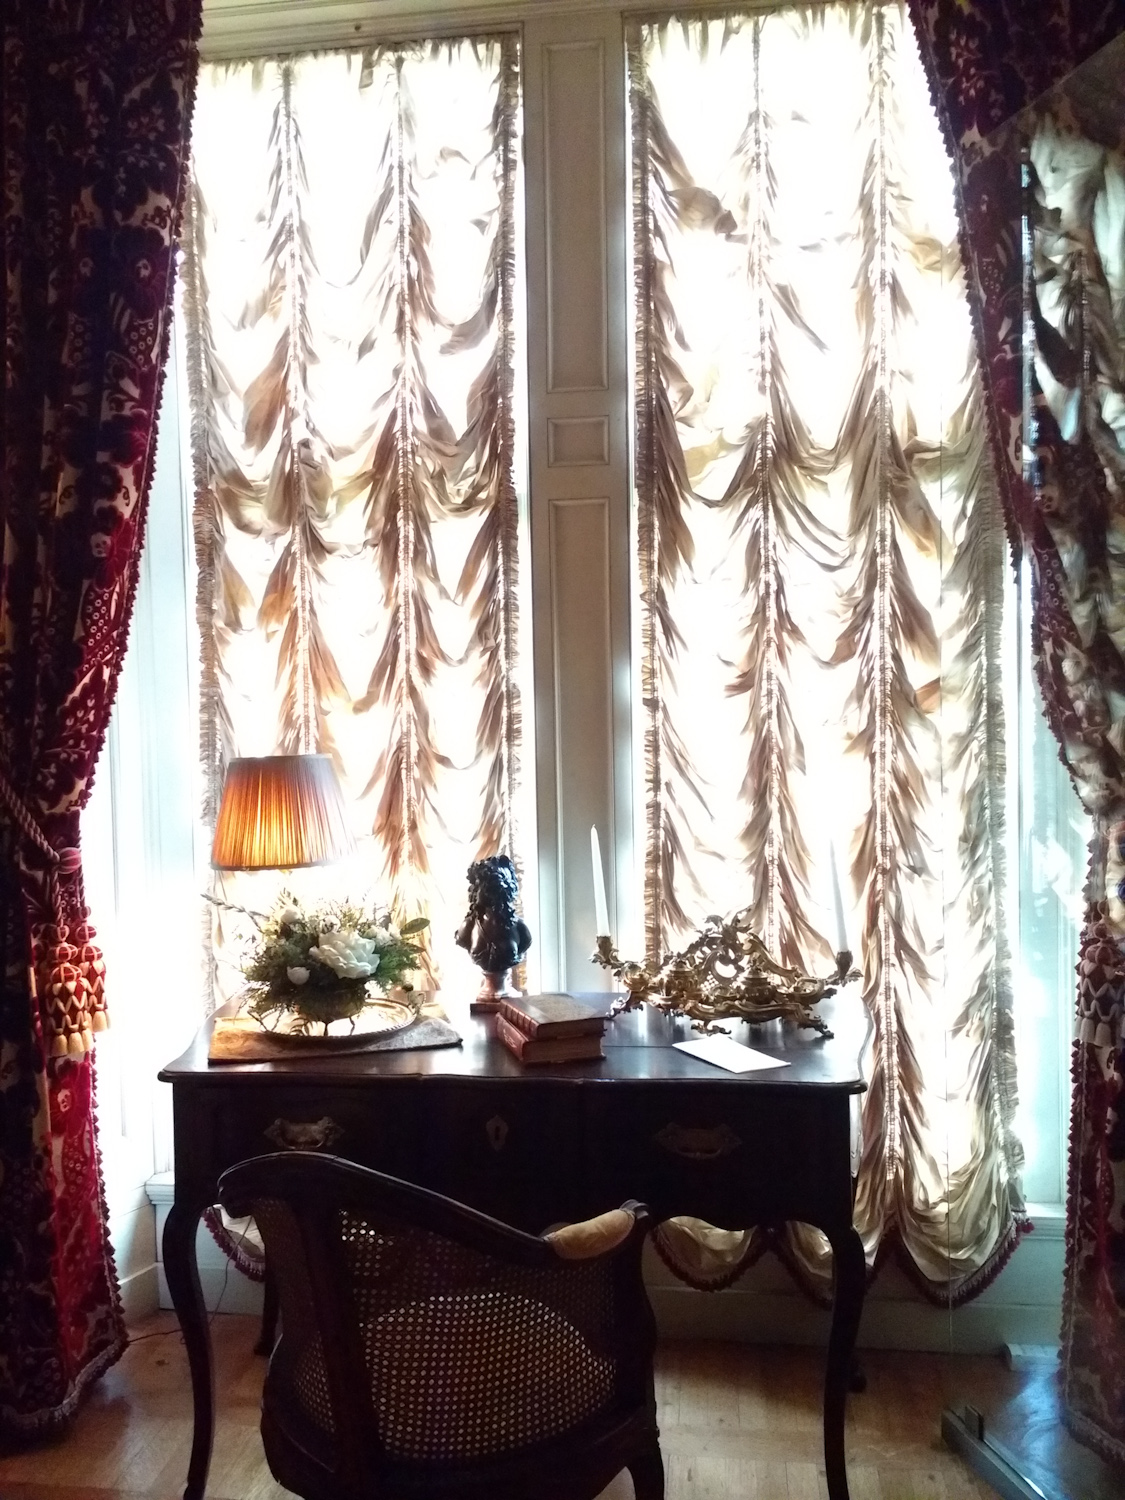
x: 68, y: 977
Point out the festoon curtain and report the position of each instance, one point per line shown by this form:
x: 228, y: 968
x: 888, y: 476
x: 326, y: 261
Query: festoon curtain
x: 349, y: 295
x: 821, y: 556
x: 989, y: 62
x: 94, y: 109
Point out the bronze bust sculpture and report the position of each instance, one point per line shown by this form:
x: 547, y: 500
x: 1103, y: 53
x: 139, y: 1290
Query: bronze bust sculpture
x: 494, y: 936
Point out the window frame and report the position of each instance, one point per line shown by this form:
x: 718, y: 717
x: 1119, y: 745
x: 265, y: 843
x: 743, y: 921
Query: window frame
x: 582, y: 701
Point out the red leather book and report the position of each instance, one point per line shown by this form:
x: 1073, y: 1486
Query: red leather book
x: 556, y: 1049
x: 550, y: 1016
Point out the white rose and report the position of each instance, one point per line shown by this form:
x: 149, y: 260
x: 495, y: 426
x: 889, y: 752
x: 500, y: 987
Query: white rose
x: 382, y: 938
x: 297, y: 976
x: 290, y: 915
x: 347, y: 954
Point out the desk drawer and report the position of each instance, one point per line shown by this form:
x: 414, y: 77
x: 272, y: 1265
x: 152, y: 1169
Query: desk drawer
x: 372, y: 1126
x: 726, y: 1155
x: 513, y: 1153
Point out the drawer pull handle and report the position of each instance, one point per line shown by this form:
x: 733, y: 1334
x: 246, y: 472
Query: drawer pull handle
x: 496, y: 1130
x: 304, y: 1135
x: 696, y: 1142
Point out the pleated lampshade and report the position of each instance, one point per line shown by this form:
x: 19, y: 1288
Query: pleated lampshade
x: 280, y: 812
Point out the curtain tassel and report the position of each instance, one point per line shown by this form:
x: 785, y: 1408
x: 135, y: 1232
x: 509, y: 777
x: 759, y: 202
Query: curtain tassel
x: 68, y: 978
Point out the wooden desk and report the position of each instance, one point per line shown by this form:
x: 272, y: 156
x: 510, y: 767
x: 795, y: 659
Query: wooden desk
x: 537, y: 1145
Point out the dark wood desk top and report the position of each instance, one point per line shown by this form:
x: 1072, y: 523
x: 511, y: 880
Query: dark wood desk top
x: 638, y: 1049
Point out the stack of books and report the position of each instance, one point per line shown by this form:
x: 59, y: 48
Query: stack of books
x: 552, y: 1028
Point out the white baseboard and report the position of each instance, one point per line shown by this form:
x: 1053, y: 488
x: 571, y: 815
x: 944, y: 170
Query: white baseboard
x: 140, y: 1294
x: 224, y: 1291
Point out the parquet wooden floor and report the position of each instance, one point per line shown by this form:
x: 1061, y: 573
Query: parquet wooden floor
x: 737, y: 1422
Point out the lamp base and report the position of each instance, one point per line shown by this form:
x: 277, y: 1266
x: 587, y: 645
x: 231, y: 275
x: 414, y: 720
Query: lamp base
x: 493, y: 989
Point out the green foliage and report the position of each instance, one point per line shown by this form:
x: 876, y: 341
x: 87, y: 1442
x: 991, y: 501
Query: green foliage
x: 321, y: 963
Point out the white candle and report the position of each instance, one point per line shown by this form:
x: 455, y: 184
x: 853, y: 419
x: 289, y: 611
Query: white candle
x: 601, y: 911
x: 837, y: 902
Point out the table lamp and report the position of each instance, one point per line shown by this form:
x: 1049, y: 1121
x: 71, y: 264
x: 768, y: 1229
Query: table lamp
x: 280, y: 812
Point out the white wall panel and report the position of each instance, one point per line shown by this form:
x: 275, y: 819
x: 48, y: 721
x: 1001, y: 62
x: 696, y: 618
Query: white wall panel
x: 577, y: 296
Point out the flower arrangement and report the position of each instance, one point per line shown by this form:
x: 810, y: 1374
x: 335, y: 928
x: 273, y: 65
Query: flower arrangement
x: 321, y: 963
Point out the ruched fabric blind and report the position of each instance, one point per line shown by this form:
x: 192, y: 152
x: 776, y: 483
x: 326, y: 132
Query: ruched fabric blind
x: 821, y: 562
x: 350, y: 305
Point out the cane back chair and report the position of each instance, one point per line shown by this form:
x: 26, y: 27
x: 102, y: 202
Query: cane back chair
x: 427, y: 1350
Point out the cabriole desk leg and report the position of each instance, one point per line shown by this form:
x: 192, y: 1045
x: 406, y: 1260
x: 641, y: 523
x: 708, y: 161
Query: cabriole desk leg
x: 187, y: 1298
x: 851, y: 1278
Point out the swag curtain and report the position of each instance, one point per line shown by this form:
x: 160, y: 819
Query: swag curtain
x: 989, y: 62
x: 349, y: 297
x: 94, y: 108
x: 820, y: 555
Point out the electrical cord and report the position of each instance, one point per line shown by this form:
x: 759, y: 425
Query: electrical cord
x: 163, y: 1333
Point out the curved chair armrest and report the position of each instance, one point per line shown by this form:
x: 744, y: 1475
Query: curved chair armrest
x: 320, y: 1183
x: 597, y: 1236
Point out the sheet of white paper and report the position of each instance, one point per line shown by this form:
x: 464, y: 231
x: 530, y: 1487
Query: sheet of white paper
x: 725, y: 1052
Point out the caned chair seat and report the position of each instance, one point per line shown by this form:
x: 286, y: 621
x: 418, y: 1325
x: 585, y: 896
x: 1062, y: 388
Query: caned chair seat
x: 427, y: 1349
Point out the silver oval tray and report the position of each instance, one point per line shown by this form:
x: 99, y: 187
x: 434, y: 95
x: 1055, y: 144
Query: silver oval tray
x: 380, y: 1019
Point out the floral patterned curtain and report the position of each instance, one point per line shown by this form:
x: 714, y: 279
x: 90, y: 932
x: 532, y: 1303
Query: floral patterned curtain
x: 350, y: 307
x: 819, y: 537
x: 1078, y: 216
x: 989, y: 62
x: 94, y: 110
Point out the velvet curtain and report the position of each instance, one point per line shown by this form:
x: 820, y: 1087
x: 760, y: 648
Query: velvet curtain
x: 988, y: 63
x: 94, y: 109
x: 350, y: 285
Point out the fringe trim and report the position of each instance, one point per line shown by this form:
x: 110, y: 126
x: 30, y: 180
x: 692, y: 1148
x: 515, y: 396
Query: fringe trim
x: 1079, y: 1062
x: 817, y: 1290
x: 249, y: 1262
x: 107, y: 1249
x: 508, y: 500
x: 755, y: 1249
x: 204, y: 520
x: 51, y: 1421
x: 979, y: 1281
x: 640, y: 106
x: 1090, y: 1435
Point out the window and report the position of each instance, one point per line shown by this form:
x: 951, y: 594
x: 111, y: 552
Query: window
x: 580, y: 645
x: 352, y: 342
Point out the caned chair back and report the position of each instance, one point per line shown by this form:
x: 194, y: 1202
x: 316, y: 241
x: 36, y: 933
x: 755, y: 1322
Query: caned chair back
x: 423, y: 1341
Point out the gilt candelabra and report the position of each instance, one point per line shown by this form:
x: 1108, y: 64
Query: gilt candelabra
x: 725, y: 973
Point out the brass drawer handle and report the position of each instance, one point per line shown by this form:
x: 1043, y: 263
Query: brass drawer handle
x: 304, y: 1135
x: 697, y: 1142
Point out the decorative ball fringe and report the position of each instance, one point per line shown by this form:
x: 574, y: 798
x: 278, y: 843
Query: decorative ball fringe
x: 99, y: 1021
x: 1096, y: 1033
